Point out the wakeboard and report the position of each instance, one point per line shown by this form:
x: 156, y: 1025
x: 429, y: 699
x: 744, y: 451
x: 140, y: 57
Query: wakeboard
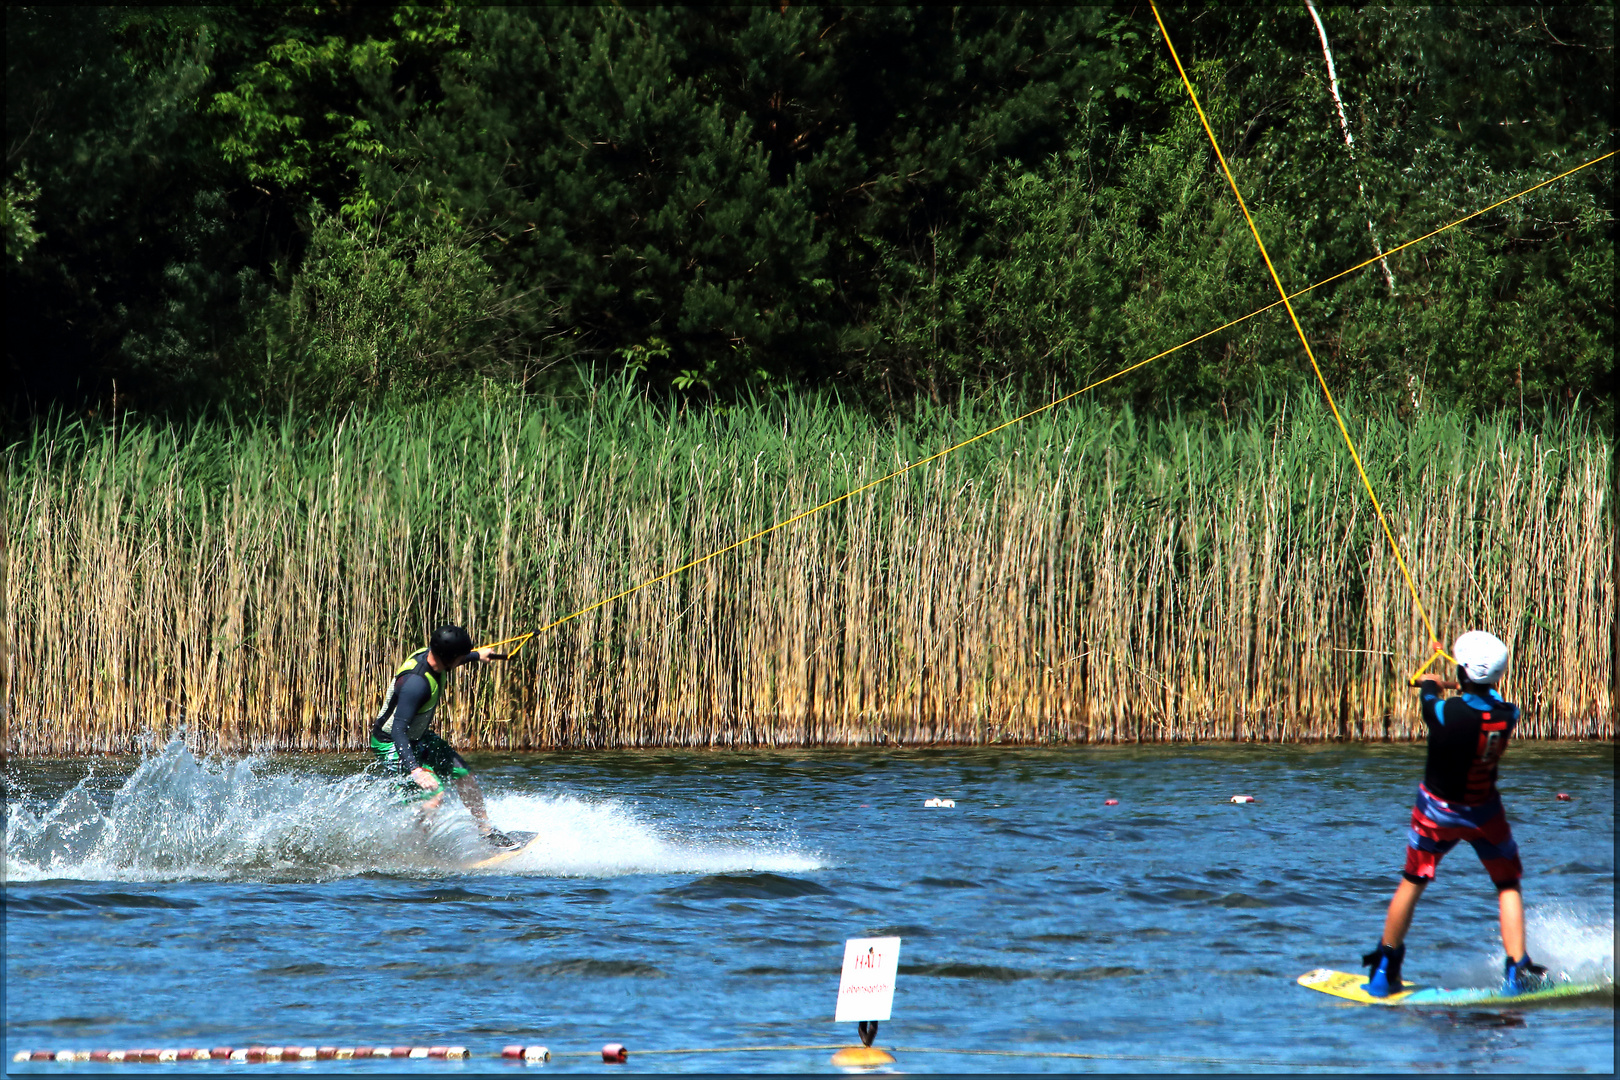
x: 525, y: 841
x: 1352, y: 987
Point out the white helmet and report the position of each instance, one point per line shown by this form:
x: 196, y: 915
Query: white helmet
x: 1482, y: 656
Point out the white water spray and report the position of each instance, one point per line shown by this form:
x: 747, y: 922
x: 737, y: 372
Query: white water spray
x: 180, y: 818
x: 1574, y: 943
x: 577, y: 838
x: 1571, y: 943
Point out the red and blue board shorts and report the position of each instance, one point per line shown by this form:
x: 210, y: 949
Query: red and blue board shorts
x: 1437, y: 826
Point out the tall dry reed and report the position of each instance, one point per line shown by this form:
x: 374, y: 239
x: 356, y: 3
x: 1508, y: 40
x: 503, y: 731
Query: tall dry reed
x: 1088, y: 575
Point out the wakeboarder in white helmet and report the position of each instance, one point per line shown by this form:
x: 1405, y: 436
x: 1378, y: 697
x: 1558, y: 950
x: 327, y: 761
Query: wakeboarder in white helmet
x: 1458, y: 800
x: 1481, y: 658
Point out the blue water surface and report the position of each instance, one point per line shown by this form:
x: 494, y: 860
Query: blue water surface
x: 700, y: 900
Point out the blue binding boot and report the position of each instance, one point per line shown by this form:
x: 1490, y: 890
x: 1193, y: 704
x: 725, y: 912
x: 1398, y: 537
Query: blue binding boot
x: 1384, y: 964
x: 1522, y: 977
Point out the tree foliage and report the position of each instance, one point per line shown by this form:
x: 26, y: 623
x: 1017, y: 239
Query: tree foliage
x: 319, y: 203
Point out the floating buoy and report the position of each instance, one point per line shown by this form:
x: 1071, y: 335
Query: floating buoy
x: 861, y: 1057
x: 1244, y: 799
x: 1110, y: 802
x: 615, y: 1052
x: 526, y: 1053
x: 240, y: 1054
x: 1564, y: 796
x: 949, y: 804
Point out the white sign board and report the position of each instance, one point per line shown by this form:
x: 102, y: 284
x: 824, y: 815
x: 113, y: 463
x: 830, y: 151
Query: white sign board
x: 866, y: 989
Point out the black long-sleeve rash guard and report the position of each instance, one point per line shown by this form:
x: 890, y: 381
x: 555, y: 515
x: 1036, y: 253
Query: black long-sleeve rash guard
x: 413, y: 692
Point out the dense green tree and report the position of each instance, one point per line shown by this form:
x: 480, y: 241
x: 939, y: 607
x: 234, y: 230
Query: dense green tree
x: 130, y: 233
x: 161, y: 167
x: 320, y: 203
x: 647, y: 214
x: 1130, y: 241
x: 639, y: 159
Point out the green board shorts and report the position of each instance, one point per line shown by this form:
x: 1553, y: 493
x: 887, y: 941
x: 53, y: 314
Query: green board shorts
x: 432, y: 752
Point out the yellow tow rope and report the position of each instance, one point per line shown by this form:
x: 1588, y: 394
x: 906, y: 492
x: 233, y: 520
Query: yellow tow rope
x: 1434, y: 639
x: 1284, y: 301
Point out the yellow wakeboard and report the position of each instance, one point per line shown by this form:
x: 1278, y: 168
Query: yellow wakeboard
x: 1343, y: 984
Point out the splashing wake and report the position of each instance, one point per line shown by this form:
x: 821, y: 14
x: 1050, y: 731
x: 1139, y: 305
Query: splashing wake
x: 1572, y: 944
x: 180, y: 818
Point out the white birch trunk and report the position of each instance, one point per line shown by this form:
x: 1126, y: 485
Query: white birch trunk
x: 1349, y: 140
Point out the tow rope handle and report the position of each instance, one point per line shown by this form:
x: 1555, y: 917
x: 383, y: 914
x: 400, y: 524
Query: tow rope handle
x: 521, y: 639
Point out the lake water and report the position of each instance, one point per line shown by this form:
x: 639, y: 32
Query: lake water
x: 701, y: 900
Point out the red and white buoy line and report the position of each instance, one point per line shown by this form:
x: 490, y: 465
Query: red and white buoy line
x: 614, y: 1052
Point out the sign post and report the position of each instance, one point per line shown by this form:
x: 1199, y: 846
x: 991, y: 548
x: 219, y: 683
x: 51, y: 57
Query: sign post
x: 866, y: 988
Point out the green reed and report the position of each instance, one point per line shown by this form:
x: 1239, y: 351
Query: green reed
x: 1089, y: 574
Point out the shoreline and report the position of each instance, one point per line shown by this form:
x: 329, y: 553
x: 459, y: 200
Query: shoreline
x: 1599, y: 734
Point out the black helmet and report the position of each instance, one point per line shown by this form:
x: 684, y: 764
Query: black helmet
x: 450, y: 643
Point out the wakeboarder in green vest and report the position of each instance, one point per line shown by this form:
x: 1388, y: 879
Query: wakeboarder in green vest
x: 400, y: 737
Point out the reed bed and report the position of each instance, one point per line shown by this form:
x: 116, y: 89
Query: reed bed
x: 1089, y: 575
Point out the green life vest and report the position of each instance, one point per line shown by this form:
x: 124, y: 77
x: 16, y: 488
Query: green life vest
x: 415, y: 664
